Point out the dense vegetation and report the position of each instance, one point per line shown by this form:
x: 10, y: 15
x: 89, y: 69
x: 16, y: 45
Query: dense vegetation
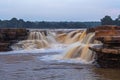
x: 20, y: 23
x: 15, y: 23
x: 107, y: 20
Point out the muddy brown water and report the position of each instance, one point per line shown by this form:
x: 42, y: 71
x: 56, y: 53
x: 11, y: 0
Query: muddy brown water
x: 30, y: 67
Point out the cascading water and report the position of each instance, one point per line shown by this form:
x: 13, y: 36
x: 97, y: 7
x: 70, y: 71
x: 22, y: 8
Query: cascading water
x: 72, y: 37
x: 80, y: 50
x: 61, y: 37
x: 35, y: 35
x: 51, y: 37
x: 36, y: 40
x: 77, y: 51
x: 78, y: 43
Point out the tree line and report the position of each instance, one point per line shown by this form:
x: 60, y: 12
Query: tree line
x: 20, y: 23
x: 107, y: 20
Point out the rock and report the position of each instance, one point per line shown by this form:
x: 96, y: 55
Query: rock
x: 107, y: 33
x: 108, y: 53
x: 103, y: 27
x: 4, y: 46
x: 10, y: 36
x: 108, y: 60
x: 106, y: 50
x: 107, y: 27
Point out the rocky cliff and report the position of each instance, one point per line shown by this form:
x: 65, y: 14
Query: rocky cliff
x: 10, y: 36
x: 108, y: 53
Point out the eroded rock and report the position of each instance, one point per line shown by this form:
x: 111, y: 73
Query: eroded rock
x: 10, y: 36
x: 108, y: 53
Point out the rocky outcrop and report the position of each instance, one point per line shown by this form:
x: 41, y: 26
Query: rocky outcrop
x: 108, y: 53
x: 4, y: 46
x: 10, y: 36
x: 104, y: 27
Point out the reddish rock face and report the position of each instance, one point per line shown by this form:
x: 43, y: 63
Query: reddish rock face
x: 104, y: 33
x: 104, y: 27
x: 108, y: 35
x: 108, y: 54
x: 107, y: 27
x: 9, y: 36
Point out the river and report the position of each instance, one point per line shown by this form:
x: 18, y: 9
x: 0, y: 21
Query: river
x: 28, y: 66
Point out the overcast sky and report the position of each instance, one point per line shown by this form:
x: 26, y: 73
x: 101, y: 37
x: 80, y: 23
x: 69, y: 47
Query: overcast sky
x: 59, y: 10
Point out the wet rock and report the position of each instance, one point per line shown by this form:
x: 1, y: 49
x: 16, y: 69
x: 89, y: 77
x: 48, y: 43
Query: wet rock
x: 4, y: 46
x: 106, y: 50
x: 10, y: 36
x: 103, y: 27
x: 108, y: 53
x: 107, y: 27
x: 106, y: 57
x: 108, y: 60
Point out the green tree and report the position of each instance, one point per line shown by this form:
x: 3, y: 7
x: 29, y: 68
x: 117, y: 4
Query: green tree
x: 13, y: 23
x: 21, y: 23
x: 107, y: 20
x: 117, y: 21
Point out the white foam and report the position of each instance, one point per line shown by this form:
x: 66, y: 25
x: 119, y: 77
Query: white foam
x: 34, y: 51
x: 59, y: 58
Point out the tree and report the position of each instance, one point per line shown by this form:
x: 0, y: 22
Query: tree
x: 21, y: 23
x: 13, y: 23
x: 117, y: 21
x: 107, y: 20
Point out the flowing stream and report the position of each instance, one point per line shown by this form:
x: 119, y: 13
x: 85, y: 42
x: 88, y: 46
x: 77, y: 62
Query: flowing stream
x: 54, y: 55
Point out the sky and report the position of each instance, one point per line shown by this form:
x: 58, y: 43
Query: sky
x: 59, y: 10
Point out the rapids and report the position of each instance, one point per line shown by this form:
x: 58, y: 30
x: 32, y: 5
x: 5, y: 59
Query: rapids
x: 36, y: 40
x: 74, y: 44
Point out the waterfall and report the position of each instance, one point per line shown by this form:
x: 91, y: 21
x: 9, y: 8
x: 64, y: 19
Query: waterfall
x: 78, y: 42
x: 36, y: 35
x: 61, y: 37
x: 80, y: 50
x: 71, y: 50
x: 36, y: 40
x: 72, y: 37
x: 51, y: 37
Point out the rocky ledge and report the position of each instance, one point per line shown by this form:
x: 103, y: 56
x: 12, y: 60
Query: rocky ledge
x: 10, y: 36
x: 108, y: 53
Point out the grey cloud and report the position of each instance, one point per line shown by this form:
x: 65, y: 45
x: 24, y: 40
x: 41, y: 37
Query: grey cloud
x: 58, y: 10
